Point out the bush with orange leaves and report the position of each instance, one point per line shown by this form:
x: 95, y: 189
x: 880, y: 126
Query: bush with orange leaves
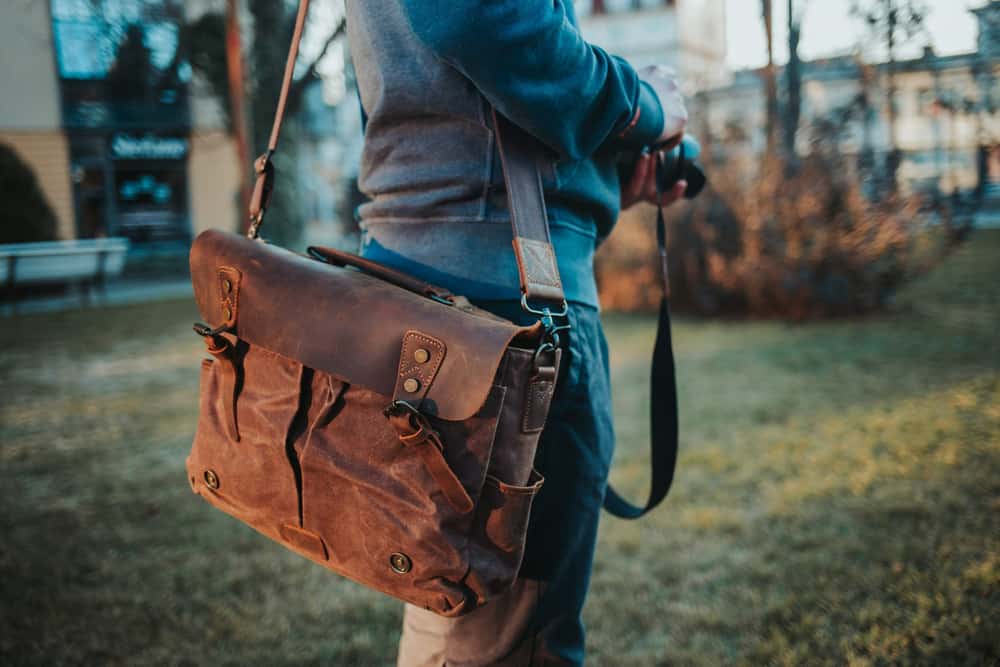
x: 768, y: 241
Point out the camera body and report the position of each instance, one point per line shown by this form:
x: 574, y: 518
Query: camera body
x: 678, y: 163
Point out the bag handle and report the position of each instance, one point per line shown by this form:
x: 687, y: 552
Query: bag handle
x: 536, y: 260
x: 382, y: 272
x: 537, y: 271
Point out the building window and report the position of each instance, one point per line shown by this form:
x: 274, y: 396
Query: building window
x: 925, y: 102
x: 119, y: 63
x: 123, y: 83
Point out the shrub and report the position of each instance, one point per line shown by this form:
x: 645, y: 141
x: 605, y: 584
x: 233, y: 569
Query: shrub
x: 768, y: 240
x: 26, y: 215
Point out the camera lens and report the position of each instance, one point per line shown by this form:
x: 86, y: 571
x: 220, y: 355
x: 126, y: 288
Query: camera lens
x: 674, y: 166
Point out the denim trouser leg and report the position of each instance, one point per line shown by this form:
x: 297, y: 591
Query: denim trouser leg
x: 539, y: 622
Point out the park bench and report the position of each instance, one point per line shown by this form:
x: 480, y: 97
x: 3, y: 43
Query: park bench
x: 85, y: 264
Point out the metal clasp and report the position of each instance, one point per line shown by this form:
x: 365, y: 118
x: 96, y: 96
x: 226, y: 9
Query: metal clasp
x: 203, y: 329
x: 398, y: 408
x: 545, y: 309
x: 547, y: 318
x: 262, y: 190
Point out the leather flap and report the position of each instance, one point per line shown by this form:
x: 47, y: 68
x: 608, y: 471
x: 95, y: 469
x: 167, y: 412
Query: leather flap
x: 347, y: 323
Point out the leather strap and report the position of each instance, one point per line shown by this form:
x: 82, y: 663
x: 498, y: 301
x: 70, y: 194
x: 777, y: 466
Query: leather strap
x: 519, y: 155
x: 536, y: 260
x: 538, y: 273
x: 381, y: 271
x: 263, y: 167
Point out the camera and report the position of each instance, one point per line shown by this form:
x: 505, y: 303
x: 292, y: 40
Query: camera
x: 679, y: 164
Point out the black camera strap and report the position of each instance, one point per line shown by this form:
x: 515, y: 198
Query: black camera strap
x: 663, y: 396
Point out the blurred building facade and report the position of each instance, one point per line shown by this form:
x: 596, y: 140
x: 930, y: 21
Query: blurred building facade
x: 100, y: 105
x: 947, y: 129
x: 688, y: 35
x: 124, y: 140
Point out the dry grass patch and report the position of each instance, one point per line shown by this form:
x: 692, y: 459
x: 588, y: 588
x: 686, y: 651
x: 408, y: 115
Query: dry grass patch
x: 836, y: 502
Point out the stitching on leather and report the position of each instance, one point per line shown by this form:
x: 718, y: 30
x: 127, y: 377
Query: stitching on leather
x: 430, y: 369
x: 424, y: 372
x: 232, y: 299
x: 539, y: 262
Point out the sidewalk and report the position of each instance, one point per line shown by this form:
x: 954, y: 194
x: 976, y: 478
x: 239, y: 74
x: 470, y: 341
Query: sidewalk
x: 116, y: 293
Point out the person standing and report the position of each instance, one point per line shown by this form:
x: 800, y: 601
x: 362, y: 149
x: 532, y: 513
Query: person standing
x: 428, y: 72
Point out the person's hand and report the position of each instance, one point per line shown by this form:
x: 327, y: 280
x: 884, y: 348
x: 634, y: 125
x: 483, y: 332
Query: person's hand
x: 663, y: 81
x: 642, y: 185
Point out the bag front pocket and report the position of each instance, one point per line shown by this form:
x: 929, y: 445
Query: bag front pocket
x: 246, y: 470
x: 378, y: 505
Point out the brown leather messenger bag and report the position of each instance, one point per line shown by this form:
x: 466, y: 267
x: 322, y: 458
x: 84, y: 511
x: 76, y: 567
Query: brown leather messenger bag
x: 378, y: 425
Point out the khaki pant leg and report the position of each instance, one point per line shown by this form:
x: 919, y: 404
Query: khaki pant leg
x: 488, y: 636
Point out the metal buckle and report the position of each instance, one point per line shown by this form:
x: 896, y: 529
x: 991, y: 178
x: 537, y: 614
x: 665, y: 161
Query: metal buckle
x: 400, y: 408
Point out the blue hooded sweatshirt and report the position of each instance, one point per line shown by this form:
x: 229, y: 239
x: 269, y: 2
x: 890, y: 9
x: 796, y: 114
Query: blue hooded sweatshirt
x: 428, y: 72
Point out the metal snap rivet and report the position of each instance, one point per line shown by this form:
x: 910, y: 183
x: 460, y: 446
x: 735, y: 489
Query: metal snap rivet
x: 400, y: 563
x: 421, y: 356
x: 412, y: 385
x: 227, y: 285
x: 211, y: 479
x: 227, y: 313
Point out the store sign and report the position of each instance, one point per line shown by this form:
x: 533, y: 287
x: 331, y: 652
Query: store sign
x: 148, y: 147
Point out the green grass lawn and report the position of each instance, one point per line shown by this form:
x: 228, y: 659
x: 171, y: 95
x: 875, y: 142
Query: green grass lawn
x: 837, y: 499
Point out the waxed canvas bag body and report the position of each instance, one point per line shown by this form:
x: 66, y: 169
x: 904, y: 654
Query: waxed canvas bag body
x: 375, y: 424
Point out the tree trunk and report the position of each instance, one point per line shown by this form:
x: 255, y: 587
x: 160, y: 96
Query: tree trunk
x: 272, y: 33
x: 893, y: 160
x: 237, y: 104
x: 793, y: 83
x: 770, y: 80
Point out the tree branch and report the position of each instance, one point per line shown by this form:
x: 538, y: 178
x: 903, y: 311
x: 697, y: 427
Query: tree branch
x: 299, y: 85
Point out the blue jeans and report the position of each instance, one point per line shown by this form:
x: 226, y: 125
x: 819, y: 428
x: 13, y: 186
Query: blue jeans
x: 540, y: 622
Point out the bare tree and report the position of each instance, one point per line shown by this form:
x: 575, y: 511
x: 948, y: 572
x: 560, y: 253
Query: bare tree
x: 263, y: 67
x: 793, y: 82
x: 893, y: 22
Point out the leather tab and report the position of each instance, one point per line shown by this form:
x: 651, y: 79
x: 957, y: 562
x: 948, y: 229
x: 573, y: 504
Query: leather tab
x: 304, y: 540
x: 536, y: 264
x: 229, y: 295
x: 225, y: 355
x: 541, y: 387
x: 416, y: 433
x: 419, y: 361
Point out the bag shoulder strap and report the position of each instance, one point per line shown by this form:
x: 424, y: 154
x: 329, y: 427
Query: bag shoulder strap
x: 537, y: 268
x: 536, y: 260
x: 663, y: 415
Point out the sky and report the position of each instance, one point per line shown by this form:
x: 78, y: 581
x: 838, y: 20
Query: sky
x: 828, y: 29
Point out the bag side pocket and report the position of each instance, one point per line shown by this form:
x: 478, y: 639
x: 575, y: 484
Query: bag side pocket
x: 496, y: 544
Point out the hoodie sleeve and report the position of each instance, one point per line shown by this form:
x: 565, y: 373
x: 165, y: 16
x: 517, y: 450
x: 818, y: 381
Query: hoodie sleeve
x: 530, y: 61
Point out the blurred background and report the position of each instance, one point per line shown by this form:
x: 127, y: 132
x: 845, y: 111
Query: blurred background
x: 838, y: 489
